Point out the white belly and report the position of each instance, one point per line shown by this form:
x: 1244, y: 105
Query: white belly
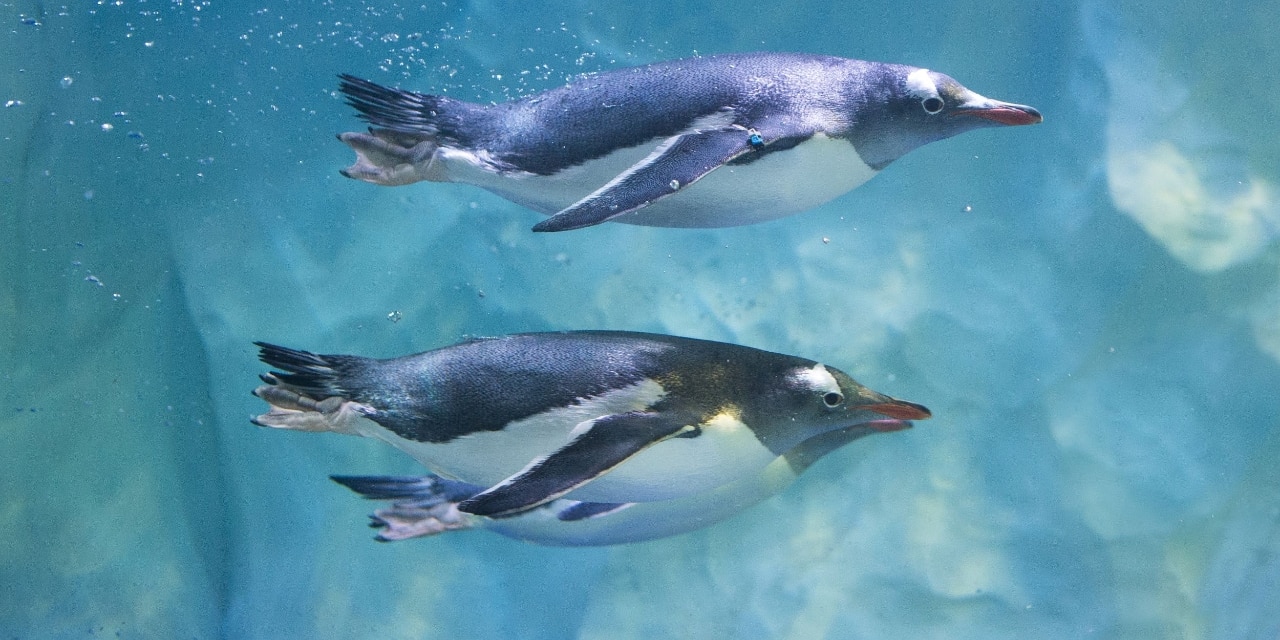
x: 726, y: 452
x: 775, y: 186
x: 778, y: 185
x: 649, y: 520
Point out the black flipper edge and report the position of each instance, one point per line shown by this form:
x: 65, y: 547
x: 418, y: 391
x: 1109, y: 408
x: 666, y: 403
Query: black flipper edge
x: 607, y: 443
x: 677, y: 163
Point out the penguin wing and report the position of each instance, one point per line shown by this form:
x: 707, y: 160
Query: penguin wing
x: 606, y: 443
x: 675, y: 164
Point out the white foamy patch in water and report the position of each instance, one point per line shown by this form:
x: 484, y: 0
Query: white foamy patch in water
x: 1163, y: 187
x: 1265, y: 318
x: 1173, y: 169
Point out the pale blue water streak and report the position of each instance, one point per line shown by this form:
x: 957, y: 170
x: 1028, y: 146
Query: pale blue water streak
x: 1091, y: 308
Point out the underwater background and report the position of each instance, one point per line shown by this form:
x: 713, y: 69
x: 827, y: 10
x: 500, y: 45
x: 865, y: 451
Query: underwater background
x: 1090, y: 307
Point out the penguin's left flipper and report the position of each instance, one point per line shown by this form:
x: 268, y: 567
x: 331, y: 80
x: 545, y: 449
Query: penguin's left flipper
x: 603, y: 445
x: 677, y: 163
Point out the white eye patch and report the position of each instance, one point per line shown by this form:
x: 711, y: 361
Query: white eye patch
x: 921, y: 84
x: 818, y: 379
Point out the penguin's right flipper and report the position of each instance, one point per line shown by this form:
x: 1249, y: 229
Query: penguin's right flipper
x: 606, y: 443
x: 677, y: 163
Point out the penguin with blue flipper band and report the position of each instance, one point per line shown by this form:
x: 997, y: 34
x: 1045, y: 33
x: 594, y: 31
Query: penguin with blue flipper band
x: 428, y: 505
x: 714, y: 141
x: 592, y: 416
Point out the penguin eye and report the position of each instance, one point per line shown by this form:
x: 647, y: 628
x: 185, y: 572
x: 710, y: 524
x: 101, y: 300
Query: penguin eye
x: 832, y: 399
x: 932, y: 105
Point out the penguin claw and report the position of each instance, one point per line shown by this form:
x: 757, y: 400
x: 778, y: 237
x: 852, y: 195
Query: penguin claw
x: 421, y: 506
x: 401, y: 522
x: 291, y: 410
x: 390, y: 158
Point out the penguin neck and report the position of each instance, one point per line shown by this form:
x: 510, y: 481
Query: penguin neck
x: 803, y: 455
x: 876, y: 132
x: 875, y: 138
x: 781, y: 437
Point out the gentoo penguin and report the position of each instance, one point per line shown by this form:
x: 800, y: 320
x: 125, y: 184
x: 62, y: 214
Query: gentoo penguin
x: 595, y: 416
x: 717, y: 141
x: 428, y: 505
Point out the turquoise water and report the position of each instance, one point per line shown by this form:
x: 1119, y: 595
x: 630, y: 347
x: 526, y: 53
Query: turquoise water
x: 1090, y: 307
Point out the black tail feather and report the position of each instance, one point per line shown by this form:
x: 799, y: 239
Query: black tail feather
x: 400, y: 110
x: 294, y: 360
x: 317, y: 376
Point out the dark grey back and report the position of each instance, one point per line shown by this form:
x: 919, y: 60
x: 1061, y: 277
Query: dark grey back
x: 483, y: 385
x: 600, y: 113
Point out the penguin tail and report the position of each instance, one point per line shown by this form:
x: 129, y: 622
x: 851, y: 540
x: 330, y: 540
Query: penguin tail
x: 312, y: 375
x: 407, y: 130
x: 421, y: 505
x: 307, y: 391
x: 421, y: 115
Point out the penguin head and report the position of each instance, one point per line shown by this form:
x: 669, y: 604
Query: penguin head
x: 919, y: 106
x: 814, y: 399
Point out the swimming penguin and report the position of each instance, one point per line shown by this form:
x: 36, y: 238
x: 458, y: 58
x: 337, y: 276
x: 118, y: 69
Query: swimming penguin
x: 595, y: 416
x: 717, y: 141
x: 428, y: 505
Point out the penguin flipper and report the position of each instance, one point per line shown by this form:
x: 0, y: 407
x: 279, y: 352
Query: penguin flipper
x: 606, y: 443
x: 677, y: 163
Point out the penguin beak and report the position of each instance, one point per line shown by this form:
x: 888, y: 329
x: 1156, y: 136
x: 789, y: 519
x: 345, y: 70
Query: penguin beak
x: 899, y: 410
x: 886, y: 426
x: 1006, y: 113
